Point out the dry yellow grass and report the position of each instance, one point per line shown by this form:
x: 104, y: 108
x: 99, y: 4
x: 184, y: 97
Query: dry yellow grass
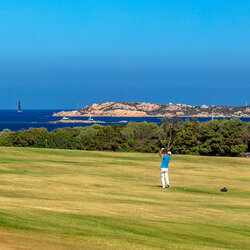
x: 61, y: 199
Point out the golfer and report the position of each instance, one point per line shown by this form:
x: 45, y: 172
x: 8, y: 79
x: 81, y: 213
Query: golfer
x: 164, y: 167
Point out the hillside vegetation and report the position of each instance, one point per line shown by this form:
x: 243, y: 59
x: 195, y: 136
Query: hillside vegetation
x: 66, y: 199
x: 218, y: 137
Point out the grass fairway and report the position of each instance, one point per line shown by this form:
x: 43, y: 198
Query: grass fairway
x: 61, y: 199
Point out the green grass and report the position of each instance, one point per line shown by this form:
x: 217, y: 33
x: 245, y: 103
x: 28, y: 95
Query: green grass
x: 62, y: 199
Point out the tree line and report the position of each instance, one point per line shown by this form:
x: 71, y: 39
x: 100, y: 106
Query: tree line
x: 218, y: 137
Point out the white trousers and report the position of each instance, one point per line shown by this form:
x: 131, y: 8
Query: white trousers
x: 164, y: 176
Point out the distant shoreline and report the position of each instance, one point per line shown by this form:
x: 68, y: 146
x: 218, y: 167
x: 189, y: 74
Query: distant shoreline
x: 81, y: 121
x: 148, y: 116
x: 40, y: 118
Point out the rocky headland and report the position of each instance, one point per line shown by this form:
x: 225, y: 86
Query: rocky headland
x: 142, y: 109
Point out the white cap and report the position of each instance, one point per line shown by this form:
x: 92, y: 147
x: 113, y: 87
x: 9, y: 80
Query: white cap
x: 169, y: 153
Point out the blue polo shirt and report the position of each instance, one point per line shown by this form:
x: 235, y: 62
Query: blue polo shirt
x: 165, y: 161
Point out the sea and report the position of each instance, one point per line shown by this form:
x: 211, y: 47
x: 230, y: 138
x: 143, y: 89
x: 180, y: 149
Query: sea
x: 15, y: 121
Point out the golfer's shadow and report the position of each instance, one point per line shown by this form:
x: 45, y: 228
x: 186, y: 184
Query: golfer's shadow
x: 158, y: 186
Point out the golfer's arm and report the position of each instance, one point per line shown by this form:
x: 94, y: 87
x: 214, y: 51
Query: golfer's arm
x: 160, y: 154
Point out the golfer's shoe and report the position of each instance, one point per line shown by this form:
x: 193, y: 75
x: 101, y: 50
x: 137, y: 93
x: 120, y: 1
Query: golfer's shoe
x: 169, y: 186
x: 163, y: 187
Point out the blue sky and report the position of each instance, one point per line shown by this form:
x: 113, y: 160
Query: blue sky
x: 54, y: 54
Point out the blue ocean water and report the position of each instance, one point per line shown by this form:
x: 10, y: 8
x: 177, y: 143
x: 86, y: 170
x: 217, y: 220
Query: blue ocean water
x: 11, y: 119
